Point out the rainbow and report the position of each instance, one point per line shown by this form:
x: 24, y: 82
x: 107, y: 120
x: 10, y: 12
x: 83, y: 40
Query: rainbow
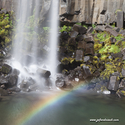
x: 41, y: 105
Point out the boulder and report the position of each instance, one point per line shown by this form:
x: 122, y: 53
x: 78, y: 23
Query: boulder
x: 111, y: 31
x: 60, y: 82
x: 86, y: 72
x: 12, y: 80
x: 79, y: 55
x: 89, y: 50
x: 79, y: 29
x: 113, y: 84
x: 2, y: 53
x: 15, y: 72
x: 6, y: 69
x: 81, y: 45
x: 43, y: 72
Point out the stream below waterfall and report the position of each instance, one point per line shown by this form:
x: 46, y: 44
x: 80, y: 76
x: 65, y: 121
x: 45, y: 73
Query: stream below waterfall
x: 75, y: 108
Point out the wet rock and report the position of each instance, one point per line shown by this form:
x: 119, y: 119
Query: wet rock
x: 6, y: 69
x: 15, y: 72
x: 33, y: 87
x: 2, y: 54
x: 86, y: 72
x: 79, y: 29
x: 60, y: 82
x: 43, y: 72
x: 112, y: 32
x: 120, y: 19
x: 79, y: 55
x: 3, y: 92
x: 48, y: 82
x: 3, y: 79
x: 113, y: 84
x: 12, y: 80
x: 14, y: 89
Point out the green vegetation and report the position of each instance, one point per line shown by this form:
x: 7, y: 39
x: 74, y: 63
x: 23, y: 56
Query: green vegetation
x: 6, y: 26
x: 65, y: 28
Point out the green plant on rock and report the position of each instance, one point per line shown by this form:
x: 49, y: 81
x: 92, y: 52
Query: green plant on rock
x: 115, y: 65
x: 65, y: 28
x: 93, y: 25
x: 66, y: 60
x: 85, y: 26
x: 119, y: 37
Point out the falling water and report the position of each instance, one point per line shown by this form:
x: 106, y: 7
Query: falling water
x: 28, y: 14
x: 52, y: 58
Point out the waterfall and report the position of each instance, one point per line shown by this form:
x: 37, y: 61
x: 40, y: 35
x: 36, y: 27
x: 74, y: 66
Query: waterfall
x: 26, y: 41
x: 52, y: 58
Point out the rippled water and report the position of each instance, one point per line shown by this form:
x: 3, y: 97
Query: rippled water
x: 76, y: 108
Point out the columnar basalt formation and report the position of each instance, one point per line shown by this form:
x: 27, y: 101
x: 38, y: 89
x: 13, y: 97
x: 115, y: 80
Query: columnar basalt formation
x: 91, y: 11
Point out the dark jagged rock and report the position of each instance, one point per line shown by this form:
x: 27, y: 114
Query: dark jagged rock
x: 113, y: 84
x: 44, y: 73
x: 6, y: 69
x: 15, y: 72
x: 12, y: 80
x: 79, y: 55
x: 81, y: 45
x: 89, y: 50
x: 79, y: 29
x: 60, y: 82
x: 86, y: 72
